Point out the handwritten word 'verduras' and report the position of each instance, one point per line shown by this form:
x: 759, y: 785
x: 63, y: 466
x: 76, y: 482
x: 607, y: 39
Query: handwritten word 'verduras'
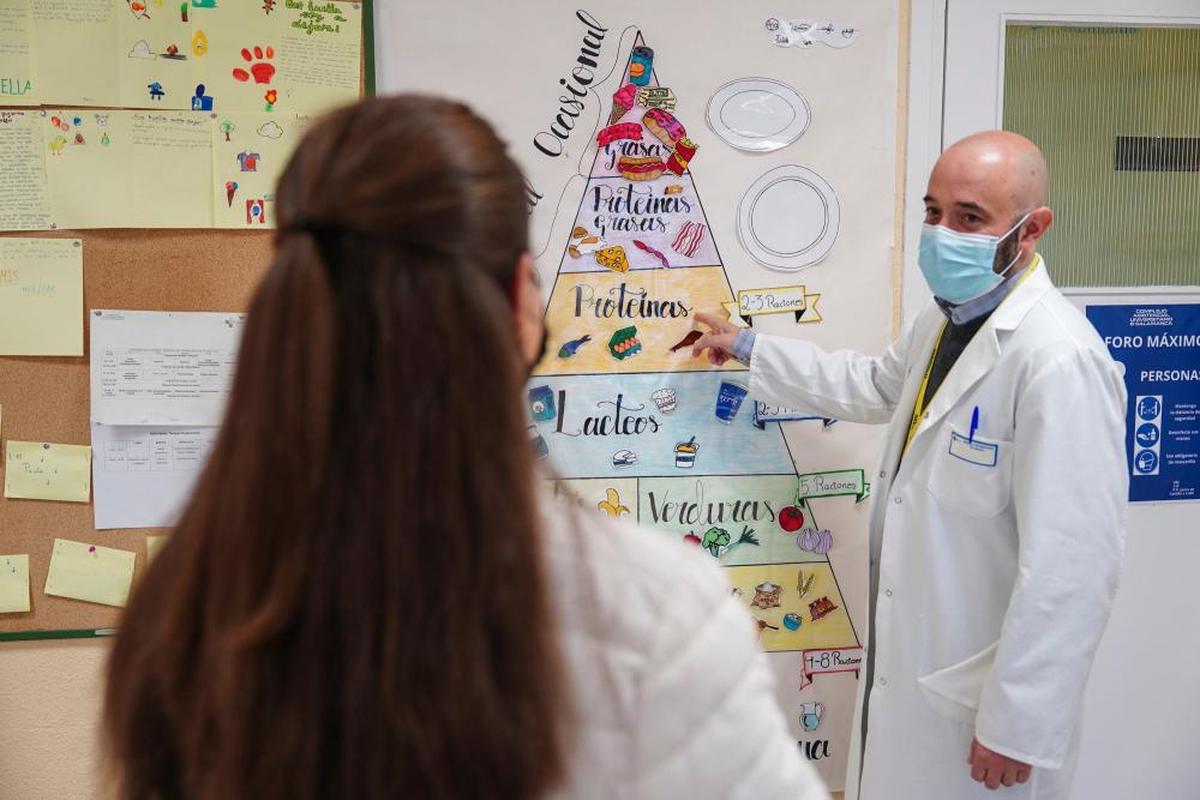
x: 552, y: 141
x: 694, y: 510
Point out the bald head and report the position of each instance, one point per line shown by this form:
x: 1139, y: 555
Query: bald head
x: 1004, y: 160
x: 988, y: 181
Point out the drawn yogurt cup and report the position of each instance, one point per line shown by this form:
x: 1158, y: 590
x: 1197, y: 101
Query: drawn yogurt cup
x: 729, y: 399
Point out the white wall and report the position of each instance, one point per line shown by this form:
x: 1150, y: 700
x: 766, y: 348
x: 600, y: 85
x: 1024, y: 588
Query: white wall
x: 51, y: 694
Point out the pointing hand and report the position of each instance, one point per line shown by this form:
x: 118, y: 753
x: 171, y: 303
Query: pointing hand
x: 718, y: 341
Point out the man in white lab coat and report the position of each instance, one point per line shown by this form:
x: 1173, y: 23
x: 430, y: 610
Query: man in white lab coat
x: 996, y: 532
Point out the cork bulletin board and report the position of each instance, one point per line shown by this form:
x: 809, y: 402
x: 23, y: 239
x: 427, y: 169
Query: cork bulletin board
x: 47, y: 399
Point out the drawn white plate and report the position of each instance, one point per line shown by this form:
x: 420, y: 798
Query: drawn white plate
x: 789, y: 218
x: 758, y: 114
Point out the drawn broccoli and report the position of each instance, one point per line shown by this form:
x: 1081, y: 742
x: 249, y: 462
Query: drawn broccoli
x: 714, y: 539
x: 717, y: 539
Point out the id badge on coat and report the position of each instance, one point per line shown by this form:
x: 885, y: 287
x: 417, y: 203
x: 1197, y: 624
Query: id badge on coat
x: 974, y: 451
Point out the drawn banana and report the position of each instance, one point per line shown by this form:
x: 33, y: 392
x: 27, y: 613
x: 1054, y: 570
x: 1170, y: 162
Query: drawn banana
x: 612, y: 506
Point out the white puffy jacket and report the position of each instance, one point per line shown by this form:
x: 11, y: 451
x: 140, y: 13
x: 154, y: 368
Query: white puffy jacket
x: 672, y: 697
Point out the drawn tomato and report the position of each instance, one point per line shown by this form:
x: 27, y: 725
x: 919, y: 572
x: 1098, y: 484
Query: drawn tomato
x: 791, y: 519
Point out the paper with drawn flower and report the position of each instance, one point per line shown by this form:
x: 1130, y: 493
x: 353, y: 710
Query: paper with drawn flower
x: 203, y: 55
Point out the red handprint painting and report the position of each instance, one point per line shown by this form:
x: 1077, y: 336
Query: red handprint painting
x: 260, y: 67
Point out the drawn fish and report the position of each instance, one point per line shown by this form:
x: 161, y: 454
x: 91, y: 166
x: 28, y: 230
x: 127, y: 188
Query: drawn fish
x: 570, y: 348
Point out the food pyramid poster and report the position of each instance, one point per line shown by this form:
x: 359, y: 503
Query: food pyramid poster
x: 638, y: 429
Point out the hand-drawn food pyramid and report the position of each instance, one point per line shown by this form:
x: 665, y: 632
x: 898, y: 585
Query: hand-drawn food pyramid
x: 634, y: 425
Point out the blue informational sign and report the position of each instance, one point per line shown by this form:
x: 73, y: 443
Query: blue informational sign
x: 1159, y: 345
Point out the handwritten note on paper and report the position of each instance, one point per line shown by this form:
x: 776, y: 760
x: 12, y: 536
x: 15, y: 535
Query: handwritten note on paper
x: 24, y: 191
x: 41, y: 297
x: 74, y: 51
x: 89, y: 572
x: 44, y: 471
x: 162, y: 368
x: 14, y: 584
x: 136, y: 169
x: 16, y: 60
x: 303, y: 57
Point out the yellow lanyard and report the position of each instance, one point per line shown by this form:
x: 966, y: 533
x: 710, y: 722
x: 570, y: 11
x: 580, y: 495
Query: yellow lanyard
x: 919, y: 407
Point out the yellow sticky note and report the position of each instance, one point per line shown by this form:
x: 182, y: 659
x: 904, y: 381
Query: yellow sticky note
x: 89, y: 572
x: 153, y: 545
x: 43, y: 471
x: 14, y: 583
x: 41, y: 297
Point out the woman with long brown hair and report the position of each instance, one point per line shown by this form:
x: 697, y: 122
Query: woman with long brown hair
x: 368, y: 596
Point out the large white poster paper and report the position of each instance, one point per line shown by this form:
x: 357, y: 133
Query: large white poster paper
x: 607, y: 358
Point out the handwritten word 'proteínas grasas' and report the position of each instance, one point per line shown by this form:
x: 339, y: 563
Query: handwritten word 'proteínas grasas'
x: 553, y: 141
x: 628, y: 209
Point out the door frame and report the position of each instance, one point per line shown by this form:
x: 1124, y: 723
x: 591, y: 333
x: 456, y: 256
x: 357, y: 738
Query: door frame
x: 926, y: 116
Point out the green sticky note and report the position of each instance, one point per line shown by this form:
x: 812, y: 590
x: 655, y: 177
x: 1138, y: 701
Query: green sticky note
x: 14, y: 583
x: 89, y: 572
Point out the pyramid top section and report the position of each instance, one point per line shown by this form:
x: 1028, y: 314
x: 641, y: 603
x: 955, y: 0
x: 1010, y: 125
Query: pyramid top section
x: 640, y: 195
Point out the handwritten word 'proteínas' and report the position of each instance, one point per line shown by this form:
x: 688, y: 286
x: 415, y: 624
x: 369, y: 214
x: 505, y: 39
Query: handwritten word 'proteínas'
x: 552, y: 141
x: 623, y: 302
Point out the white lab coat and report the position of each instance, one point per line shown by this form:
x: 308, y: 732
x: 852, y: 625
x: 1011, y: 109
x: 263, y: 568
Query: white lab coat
x: 991, y: 585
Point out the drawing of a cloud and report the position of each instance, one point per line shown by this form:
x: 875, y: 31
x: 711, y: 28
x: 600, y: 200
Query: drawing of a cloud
x: 270, y: 130
x: 141, y: 49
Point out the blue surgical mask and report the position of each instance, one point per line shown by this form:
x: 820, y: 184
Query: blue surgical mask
x: 961, y: 266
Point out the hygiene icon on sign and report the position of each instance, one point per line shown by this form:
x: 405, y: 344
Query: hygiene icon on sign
x: 1147, y: 434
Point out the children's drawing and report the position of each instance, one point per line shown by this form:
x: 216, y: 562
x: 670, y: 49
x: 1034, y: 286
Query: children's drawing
x: 256, y: 212
x: 138, y: 9
x: 201, y: 101
x: 270, y: 130
x: 204, y: 3
x: 611, y: 504
x: 248, y: 161
x: 259, y: 60
x: 199, y: 44
x: 268, y: 6
x: 231, y: 188
x: 141, y: 49
x: 271, y: 96
x: 674, y: 432
x: 806, y: 33
x: 172, y: 53
x: 156, y: 91
x: 788, y: 219
x: 758, y: 115
x: 57, y: 145
x: 226, y: 127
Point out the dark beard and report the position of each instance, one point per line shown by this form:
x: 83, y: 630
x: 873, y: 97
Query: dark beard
x: 1006, y: 251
